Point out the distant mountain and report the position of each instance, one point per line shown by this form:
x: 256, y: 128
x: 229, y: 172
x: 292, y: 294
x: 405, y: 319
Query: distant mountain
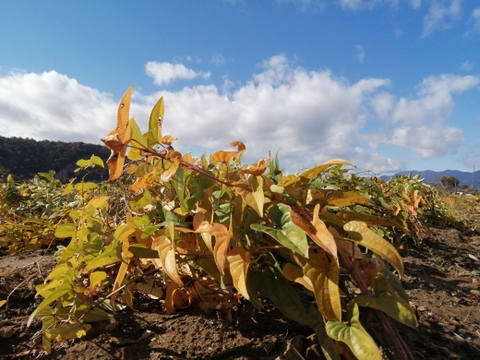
x: 24, y: 158
x: 433, y: 177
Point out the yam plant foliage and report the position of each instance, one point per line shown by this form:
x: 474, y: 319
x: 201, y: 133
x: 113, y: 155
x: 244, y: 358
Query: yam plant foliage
x: 217, y: 234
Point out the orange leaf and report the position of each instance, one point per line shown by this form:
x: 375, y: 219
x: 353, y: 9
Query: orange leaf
x: 225, y: 156
x: 239, y: 260
x: 222, y: 241
x: 258, y: 169
x: 167, y: 258
x: 318, y: 232
x: 117, y: 140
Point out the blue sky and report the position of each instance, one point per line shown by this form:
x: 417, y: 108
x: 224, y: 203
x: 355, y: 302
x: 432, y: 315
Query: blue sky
x: 389, y: 85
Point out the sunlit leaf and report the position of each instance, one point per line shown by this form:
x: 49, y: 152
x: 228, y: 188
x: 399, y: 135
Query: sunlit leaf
x: 335, y: 198
x: 96, y: 278
x: 323, y: 274
x: 65, y: 231
x: 354, y: 335
x: 371, y: 220
x: 239, y: 262
x: 253, y: 196
x: 225, y: 156
x: 364, y: 236
x: 117, y: 140
x: 257, y: 169
x: 155, y: 123
x: 317, y: 231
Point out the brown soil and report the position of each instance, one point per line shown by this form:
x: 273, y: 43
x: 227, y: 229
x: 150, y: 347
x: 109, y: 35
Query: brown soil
x: 442, y: 280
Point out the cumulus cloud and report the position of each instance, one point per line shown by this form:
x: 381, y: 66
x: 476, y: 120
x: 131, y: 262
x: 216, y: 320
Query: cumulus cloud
x: 53, y: 106
x: 309, y: 116
x: 163, y: 73
x: 442, y: 14
x: 420, y: 122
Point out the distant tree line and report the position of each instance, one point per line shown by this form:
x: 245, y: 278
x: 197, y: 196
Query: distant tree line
x: 23, y: 158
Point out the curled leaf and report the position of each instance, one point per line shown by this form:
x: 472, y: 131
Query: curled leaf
x: 225, y: 156
x: 168, y: 140
x: 257, y: 169
x: 117, y: 140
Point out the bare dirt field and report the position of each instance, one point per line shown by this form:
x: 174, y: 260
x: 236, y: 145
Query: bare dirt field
x: 442, y: 279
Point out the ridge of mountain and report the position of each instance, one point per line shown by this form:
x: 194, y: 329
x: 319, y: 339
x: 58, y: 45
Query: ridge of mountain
x: 433, y: 177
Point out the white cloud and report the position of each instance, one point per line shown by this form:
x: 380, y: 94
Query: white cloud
x: 52, y: 106
x: 163, y: 73
x: 360, y: 53
x: 476, y: 18
x: 420, y: 123
x: 442, y: 14
x: 310, y: 116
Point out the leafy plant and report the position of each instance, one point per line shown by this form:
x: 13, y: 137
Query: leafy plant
x: 215, y: 233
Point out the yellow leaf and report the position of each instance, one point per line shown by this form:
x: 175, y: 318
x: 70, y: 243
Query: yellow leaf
x: 324, y: 275
x: 311, y: 173
x: 167, y: 259
x: 117, y: 140
x: 253, y: 195
x: 364, y: 236
x: 317, y: 231
x: 295, y: 273
x: 239, y: 261
x: 96, y: 278
x: 122, y: 271
x: 222, y: 241
x: 337, y: 198
x: 168, y: 140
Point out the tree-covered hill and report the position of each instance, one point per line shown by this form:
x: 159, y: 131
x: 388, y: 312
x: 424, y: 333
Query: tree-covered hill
x: 24, y: 158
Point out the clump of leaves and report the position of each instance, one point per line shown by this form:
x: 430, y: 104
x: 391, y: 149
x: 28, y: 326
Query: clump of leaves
x: 214, y: 233
x: 404, y: 206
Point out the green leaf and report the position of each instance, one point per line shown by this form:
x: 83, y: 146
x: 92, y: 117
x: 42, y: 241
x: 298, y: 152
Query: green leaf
x: 65, y: 231
x: 138, y: 140
x: 142, y: 252
x: 386, y: 299
x: 288, y: 234
x: 273, y: 285
x: 354, y: 335
x: 154, y: 134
